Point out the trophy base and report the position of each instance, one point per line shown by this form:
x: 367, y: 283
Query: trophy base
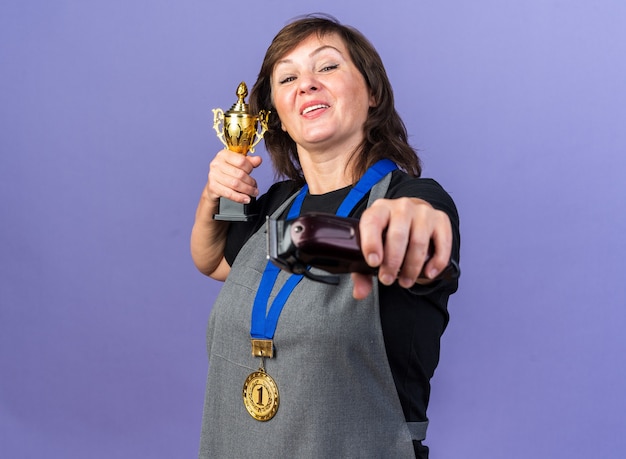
x: 232, y: 211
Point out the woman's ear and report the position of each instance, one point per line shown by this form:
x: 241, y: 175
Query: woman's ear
x: 373, y: 101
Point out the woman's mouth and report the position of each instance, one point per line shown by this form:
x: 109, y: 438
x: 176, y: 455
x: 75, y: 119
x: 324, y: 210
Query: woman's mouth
x: 313, y: 108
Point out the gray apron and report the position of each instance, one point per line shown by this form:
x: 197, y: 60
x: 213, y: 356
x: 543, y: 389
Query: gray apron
x: 337, y: 394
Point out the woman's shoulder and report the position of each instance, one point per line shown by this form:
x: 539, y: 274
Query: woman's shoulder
x: 276, y: 194
x: 428, y: 189
x: 282, y: 187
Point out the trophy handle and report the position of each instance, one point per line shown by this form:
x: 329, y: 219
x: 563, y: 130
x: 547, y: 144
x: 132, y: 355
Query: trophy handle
x: 263, y: 120
x: 218, y: 116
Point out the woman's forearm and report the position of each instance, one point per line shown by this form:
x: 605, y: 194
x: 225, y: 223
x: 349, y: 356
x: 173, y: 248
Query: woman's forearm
x: 208, y: 239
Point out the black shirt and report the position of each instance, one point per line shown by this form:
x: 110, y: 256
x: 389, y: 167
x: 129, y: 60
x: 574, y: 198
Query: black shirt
x: 412, y: 320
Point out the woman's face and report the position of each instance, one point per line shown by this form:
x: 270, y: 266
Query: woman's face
x: 320, y: 96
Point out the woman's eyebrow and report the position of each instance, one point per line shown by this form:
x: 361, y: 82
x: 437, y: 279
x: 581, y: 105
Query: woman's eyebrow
x: 323, y: 48
x: 311, y: 54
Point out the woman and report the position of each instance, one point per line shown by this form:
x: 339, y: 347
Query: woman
x: 333, y: 370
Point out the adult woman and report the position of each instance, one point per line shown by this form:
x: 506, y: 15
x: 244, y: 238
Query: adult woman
x: 353, y: 361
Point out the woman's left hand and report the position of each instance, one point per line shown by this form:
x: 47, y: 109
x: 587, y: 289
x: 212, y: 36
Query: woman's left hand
x: 408, y: 226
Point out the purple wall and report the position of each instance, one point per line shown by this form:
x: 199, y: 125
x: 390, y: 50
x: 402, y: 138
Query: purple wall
x: 519, y: 109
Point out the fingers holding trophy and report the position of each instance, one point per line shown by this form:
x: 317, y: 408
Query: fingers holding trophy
x: 239, y: 133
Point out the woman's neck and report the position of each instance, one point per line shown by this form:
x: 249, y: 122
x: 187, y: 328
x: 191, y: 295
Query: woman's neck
x: 325, y: 173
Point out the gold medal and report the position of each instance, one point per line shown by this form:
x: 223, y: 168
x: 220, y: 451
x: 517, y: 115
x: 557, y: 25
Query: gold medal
x: 260, y: 395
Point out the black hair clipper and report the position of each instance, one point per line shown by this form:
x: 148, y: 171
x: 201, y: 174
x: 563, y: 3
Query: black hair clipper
x: 323, y: 241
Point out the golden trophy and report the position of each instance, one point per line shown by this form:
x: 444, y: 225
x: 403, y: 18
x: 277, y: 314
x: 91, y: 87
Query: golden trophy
x: 239, y: 133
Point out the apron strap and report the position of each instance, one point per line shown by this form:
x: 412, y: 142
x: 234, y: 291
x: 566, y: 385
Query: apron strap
x: 418, y: 430
x: 380, y: 189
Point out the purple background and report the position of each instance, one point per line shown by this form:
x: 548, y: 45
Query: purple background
x: 518, y: 108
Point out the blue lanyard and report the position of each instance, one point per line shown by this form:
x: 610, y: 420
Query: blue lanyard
x: 264, y: 327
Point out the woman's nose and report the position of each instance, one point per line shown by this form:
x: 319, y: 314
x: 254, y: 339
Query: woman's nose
x: 308, y: 82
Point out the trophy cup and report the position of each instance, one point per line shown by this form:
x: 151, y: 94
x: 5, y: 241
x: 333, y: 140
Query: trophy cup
x: 239, y: 134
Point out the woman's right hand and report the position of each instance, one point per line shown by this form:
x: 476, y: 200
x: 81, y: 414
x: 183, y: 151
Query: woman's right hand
x: 230, y: 176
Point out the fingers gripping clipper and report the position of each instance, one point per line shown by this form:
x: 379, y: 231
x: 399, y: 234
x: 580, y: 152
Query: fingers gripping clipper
x: 324, y: 241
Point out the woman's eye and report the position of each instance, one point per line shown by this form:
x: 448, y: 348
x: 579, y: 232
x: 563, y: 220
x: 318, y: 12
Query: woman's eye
x: 288, y: 79
x: 328, y: 68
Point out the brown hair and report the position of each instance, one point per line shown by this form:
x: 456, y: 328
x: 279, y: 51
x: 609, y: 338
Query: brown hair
x: 385, y: 134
